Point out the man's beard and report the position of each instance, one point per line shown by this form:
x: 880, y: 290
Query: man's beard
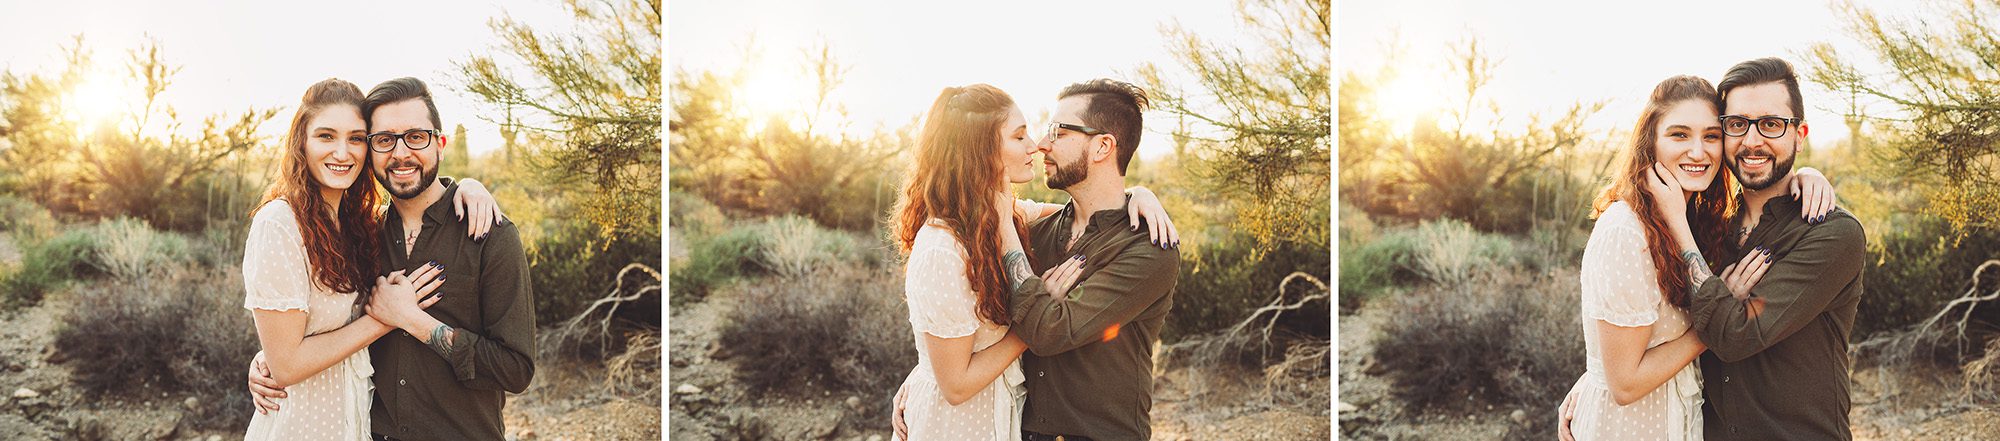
x: 427, y: 176
x: 1069, y: 174
x: 1779, y: 169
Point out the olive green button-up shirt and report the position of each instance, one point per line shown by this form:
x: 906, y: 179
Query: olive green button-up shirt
x: 1090, y: 359
x: 488, y: 302
x: 1784, y: 374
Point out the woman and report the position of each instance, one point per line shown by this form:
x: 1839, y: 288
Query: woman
x: 311, y: 251
x: 973, y: 145
x: 1640, y: 381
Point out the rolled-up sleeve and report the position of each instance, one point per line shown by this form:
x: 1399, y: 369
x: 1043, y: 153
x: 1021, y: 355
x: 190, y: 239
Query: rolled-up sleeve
x: 1139, y: 276
x: 1798, y: 287
x: 502, y: 358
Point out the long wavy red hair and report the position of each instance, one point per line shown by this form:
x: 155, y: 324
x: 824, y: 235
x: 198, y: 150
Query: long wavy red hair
x: 1708, y: 211
x: 341, y: 255
x: 954, y: 178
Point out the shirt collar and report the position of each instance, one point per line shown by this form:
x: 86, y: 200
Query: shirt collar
x: 1102, y: 218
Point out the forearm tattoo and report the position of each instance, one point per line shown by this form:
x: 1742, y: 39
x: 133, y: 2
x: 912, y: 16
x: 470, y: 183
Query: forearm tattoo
x: 1698, y: 272
x: 1018, y: 270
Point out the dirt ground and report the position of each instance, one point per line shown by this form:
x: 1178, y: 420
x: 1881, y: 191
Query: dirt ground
x: 707, y: 403
x: 1899, y: 407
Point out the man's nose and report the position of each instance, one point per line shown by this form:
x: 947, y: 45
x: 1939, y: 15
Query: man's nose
x: 1754, y: 139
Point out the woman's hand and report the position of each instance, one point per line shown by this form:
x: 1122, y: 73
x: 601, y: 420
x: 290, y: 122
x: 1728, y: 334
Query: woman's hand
x: 477, y: 206
x: 401, y: 296
x: 1814, y: 193
x: 1060, y: 279
x: 1668, y: 196
x: 1003, y: 207
x: 1744, y: 274
x: 1144, y: 204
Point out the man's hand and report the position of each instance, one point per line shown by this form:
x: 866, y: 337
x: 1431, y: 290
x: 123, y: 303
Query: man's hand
x: 263, y: 388
x: 1568, y: 414
x: 902, y: 430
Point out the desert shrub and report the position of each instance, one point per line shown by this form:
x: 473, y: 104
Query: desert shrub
x: 714, y: 260
x: 180, y: 330
x: 1917, y: 270
x: 129, y: 249
x: 796, y: 247
x: 1502, y: 338
x: 49, y: 264
x: 26, y: 219
x: 845, y: 329
x: 1553, y: 247
x: 1450, y: 252
x: 785, y: 245
x: 1373, y: 268
x: 1221, y: 282
x: 573, y: 264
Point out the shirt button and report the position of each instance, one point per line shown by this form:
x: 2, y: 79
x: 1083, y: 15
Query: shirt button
x: 1725, y: 378
x: 402, y: 382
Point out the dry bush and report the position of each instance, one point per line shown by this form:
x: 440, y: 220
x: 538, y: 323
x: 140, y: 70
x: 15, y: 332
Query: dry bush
x: 845, y: 329
x: 1953, y: 338
x: 1293, y: 366
x: 174, y: 330
x: 1503, y: 338
x: 129, y: 249
x: 1451, y: 252
x: 630, y: 351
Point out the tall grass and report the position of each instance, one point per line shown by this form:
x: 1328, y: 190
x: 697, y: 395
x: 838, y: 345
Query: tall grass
x: 1450, y: 252
x: 128, y: 249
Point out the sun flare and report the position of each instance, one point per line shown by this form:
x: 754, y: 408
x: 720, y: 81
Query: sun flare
x: 771, y: 90
x: 95, y: 102
x: 1404, y: 100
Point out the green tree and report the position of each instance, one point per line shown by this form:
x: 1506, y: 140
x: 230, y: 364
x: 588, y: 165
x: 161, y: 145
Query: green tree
x: 785, y: 167
x: 149, y: 169
x: 589, y: 134
x: 1257, y: 125
x: 599, y: 91
x: 1944, y: 84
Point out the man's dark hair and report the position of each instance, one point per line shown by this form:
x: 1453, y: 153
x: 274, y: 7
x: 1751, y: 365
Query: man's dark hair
x: 1115, y: 108
x: 1760, y: 71
x: 395, y: 91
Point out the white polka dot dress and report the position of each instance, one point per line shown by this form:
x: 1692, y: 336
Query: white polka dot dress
x: 330, y: 405
x: 1619, y: 288
x: 942, y: 304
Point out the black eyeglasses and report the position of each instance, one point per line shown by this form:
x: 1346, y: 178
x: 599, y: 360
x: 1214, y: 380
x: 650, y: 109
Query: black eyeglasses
x: 1072, y: 127
x: 1770, y: 126
x: 415, y: 139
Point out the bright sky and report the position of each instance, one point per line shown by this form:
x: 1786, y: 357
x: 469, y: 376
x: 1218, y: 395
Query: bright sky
x: 1555, y: 51
x: 904, y: 52
x: 238, y: 55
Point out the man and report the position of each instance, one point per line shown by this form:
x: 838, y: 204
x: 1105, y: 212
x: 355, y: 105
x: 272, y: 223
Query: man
x: 445, y: 374
x: 1090, y: 362
x: 1781, y: 374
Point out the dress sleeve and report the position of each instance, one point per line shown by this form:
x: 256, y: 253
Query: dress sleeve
x: 275, y: 275
x: 1618, y: 276
x: 940, y: 298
